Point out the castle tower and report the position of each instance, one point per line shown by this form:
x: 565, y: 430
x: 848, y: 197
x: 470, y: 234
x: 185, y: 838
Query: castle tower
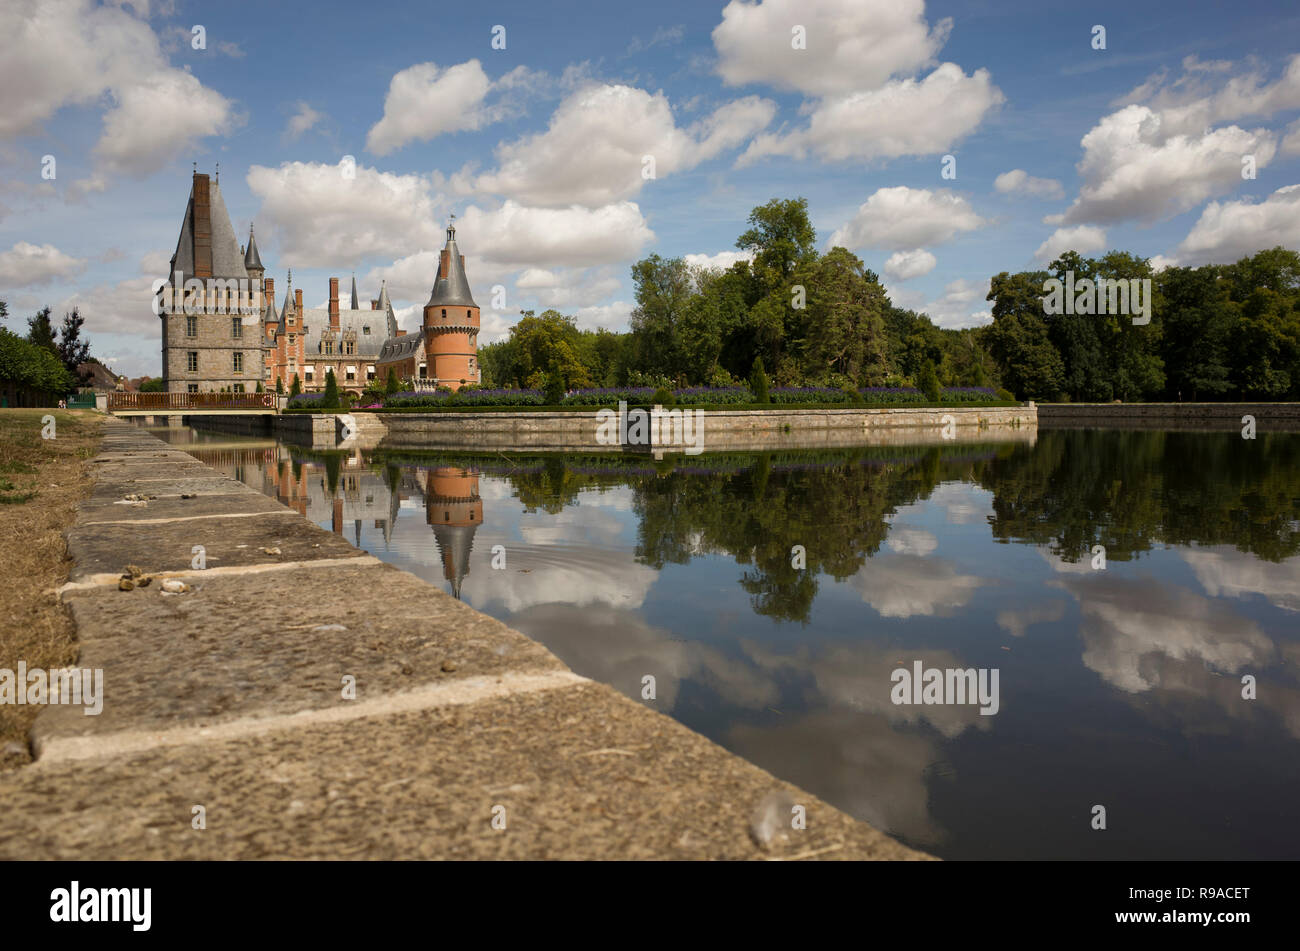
x: 451, y: 322
x: 454, y: 509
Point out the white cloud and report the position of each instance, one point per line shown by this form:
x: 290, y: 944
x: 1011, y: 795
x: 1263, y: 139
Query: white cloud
x: 424, y: 101
x: 593, y: 151
x: 1084, y: 239
x: 957, y: 308
x: 27, y: 265
x: 124, y: 307
x: 1018, y: 181
x: 1191, y: 104
x: 1159, y: 154
x: 302, y: 120
x: 723, y: 260
x: 905, y: 265
x: 1291, y: 144
x: 1228, y: 231
x: 901, y: 218
x: 851, y: 44
x: 910, y: 585
x: 56, y: 53
x: 613, y: 316
x: 1132, y: 169
x: 904, y: 117
x: 550, y: 237
x: 1225, y: 572
x: 159, y: 117
x: 323, y: 219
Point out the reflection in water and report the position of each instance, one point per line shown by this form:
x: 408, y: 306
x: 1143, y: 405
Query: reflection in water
x: 1121, y: 687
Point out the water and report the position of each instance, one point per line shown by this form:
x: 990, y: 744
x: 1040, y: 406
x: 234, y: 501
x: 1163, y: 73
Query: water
x: 1119, y: 687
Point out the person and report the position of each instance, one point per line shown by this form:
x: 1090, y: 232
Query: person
x: 63, y: 404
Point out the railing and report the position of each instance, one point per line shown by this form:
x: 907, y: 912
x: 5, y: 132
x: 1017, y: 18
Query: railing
x: 192, y: 401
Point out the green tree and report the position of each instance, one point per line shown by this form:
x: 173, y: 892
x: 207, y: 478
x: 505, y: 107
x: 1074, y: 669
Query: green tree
x: 391, y: 385
x: 73, y: 351
x: 331, y: 398
x: 928, y: 382
x: 279, y: 385
x: 1018, y: 340
x: 152, y: 385
x: 554, y: 388
x: 41, y: 332
x: 758, y: 381
x: 295, y: 386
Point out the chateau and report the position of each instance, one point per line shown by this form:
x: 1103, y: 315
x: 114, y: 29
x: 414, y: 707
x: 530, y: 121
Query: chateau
x: 226, y: 333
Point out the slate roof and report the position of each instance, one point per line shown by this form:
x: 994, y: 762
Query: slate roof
x: 227, y: 259
x: 451, y: 289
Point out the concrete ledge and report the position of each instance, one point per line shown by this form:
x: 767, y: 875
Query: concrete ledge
x: 228, y: 696
x: 1269, y: 417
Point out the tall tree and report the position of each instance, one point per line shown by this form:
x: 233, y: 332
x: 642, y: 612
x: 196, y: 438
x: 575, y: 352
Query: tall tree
x: 41, y: 332
x: 73, y: 351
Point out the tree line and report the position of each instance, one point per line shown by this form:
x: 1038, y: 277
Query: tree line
x: 1218, y: 332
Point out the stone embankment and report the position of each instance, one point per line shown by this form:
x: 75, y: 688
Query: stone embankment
x: 227, y: 730
x: 1269, y: 417
x: 718, y: 430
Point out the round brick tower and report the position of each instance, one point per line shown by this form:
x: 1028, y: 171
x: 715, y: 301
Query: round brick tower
x: 451, y: 322
x: 454, y: 509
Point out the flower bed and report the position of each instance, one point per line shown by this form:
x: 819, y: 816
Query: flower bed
x: 437, y: 398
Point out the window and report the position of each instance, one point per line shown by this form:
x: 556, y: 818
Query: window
x: 239, y: 387
x: 366, y: 331
x: 352, y: 347
x: 239, y: 363
x: 370, y: 373
x: 236, y: 327
x: 191, y: 388
x: 309, y: 373
x: 352, y: 375
x: 191, y: 326
x: 469, y: 315
x: 192, y: 361
x: 444, y: 312
x: 292, y: 338
x: 329, y: 346
x: 424, y: 371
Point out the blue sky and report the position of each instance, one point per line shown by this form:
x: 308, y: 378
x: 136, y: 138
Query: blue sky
x: 538, y: 148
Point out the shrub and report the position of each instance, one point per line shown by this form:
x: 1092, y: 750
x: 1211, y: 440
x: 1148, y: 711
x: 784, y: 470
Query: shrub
x: 554, y: 387
x: 391, y: 385
x: 663, y: 397
x: 809, y: 394
x: 1005, y: 394
x: 758, y: 381
x: 928, y: 382
x: 295, y: 387
x: 968, y: 394
x: 331, y: 400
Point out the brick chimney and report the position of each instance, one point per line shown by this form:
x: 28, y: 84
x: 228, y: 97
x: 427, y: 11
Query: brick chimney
x: 401, y: 333
x: 374, y: 305
x: 269, y: 292
x: 202, y: 232
x: 334, y: 304
x: 297, y: 301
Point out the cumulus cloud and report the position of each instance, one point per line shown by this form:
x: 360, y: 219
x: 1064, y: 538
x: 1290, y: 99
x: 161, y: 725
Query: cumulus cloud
x: 158, y: 117
x: 723, y: 260
x: 28, y: 265
x: 521, y: 235
x: 905, y: 265
x: 903, y: 117
x: 1291, y: 143
x: 851, y: 44
x: 1161, y: 155
x: 424, y: 101
x: 1230, y: 230
x: 962, y: 304
x: 302, y: 120
x: 324, y: 218
x: 124, y: 307
x: 1084, y: 239
x: 1019, y: 182
x: 588, y: 157
x: 899, y: 218
x: 56, y: 53
x: 910, y: 585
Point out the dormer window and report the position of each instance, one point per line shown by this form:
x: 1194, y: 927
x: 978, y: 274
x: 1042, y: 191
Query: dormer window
x: 366, y: 330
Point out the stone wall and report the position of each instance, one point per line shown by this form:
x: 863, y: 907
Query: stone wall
x: 721, y: 430
x: 1269, y: 417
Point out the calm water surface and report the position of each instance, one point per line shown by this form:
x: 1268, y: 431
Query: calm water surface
x: 1119, y: 687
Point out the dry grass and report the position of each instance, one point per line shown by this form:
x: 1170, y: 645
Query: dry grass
x: 41, y: 482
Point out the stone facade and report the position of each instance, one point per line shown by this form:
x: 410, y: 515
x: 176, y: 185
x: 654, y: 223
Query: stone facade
x: 216, y: 348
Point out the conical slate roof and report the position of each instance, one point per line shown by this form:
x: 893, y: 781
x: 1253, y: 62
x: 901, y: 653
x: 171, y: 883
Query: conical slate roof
x: 455, y: 542
x: 251, y: 258
x: 227, y: 261
x: 288, y: 297
x: 356, y: 305
x: 451, y: 289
